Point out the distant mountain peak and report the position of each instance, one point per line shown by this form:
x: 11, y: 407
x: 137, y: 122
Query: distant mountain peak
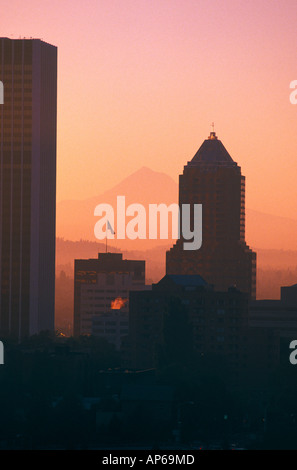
x: 146, y: 171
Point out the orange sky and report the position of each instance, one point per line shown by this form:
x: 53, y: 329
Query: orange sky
x: 140, y: 81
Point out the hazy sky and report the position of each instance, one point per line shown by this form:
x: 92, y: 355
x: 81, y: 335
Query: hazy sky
x: 140, y: 81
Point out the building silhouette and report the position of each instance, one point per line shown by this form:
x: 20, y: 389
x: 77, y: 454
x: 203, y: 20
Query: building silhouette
x: 224, y: 260
x: 279, y: 317
x: 28, y: 70
x: 101, y: 295
x: 183, y: 317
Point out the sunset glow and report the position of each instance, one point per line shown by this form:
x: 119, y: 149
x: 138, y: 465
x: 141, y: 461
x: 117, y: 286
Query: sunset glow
x: 118, y: 303
x: 139, y: 84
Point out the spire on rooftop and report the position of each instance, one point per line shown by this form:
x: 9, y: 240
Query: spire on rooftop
x: 212, y: 135
x: 212, y: 151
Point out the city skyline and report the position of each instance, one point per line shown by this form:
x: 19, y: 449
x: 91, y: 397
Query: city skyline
x: 156, y: 75
x: 172, y: 334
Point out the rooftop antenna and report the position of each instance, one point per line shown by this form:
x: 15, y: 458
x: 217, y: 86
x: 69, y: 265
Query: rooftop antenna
x: 212, y: 135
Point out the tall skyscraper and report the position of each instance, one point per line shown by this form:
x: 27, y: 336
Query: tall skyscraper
x: 28, y: 70
x: 214, y: 180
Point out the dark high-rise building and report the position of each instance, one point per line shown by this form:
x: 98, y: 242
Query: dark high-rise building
x: 28, y: 70
x: 214, y: 180
x: 279, y: 317
x: 183, y: 316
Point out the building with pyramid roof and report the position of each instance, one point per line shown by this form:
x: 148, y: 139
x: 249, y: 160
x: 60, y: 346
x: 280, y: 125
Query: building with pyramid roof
x: 212, y: 178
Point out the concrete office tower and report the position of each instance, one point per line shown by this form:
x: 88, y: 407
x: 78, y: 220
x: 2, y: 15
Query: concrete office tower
x: 214, y: 180
x: 101, y: 294
x: 28, y: 70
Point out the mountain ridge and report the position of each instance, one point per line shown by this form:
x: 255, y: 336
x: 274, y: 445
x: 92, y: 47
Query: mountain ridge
x: 76, y: 220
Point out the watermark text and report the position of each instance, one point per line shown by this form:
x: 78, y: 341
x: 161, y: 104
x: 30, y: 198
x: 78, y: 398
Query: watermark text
x: 293, y: 94
x: 1, y: 93
x: 1, y: 353
x: 158, y: 217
